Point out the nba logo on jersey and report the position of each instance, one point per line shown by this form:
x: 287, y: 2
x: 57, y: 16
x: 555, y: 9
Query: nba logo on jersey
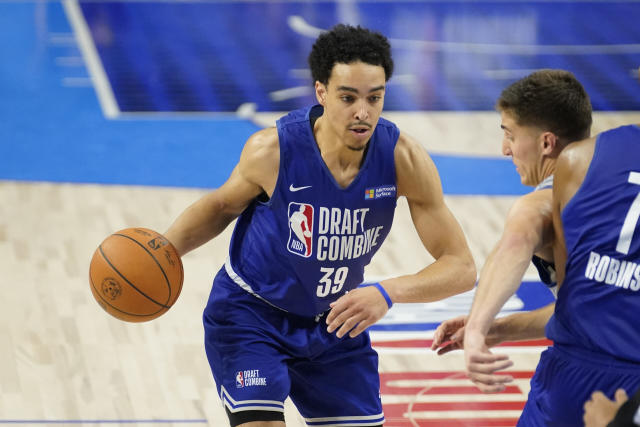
x: 300, y: 229
x: 239, y: 380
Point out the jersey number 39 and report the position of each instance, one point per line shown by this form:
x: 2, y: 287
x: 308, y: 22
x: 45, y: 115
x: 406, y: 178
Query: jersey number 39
x: 332, y: 281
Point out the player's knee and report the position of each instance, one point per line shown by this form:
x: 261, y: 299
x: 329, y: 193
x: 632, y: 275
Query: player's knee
x: 255, y: 418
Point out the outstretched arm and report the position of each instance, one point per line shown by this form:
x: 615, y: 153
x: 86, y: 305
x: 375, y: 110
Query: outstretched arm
x: 255, y: 173
x: 515, y: 327
x: 453, y: 271
x: 527, y: 229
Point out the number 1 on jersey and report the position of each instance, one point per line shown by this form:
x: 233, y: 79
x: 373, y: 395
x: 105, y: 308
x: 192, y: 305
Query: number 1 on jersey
x: 331, y: 282
x: 631, y: 220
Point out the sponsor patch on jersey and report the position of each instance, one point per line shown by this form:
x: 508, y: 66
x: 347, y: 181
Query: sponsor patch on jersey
x: 380, y: 192
x: 300, y: 229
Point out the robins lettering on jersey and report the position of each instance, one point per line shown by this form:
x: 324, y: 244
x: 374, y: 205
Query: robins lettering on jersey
x: 611, y: 271
x: 342, y: 234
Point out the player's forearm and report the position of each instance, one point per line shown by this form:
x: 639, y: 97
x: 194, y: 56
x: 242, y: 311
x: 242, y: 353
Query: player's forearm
x: 499, y: 280
x: 448, y: 276
x: 198, y: 224
x: 521, y: 326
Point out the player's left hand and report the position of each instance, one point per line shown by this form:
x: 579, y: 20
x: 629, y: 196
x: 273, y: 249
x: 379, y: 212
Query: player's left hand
x: 356, y: 311
x: 599, y: 411
x: 483, y: 366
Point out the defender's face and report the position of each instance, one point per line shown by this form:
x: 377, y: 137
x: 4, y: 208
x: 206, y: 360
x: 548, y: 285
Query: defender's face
x: 352, y: 101
x: 524, y: 145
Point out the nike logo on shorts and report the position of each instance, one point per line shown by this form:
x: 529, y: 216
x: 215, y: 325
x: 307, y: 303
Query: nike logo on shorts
x: 294, y: 189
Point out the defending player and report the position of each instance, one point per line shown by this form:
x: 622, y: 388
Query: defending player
x: 596, y: 206
x: 279, y: 321
x: 541, y: 114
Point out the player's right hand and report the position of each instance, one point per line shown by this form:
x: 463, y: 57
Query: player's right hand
x: 482, y: 365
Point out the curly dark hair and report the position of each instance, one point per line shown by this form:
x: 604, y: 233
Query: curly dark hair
x: 550, y: 99
x: 345, y: 44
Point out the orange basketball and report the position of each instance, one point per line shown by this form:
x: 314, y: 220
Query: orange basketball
x: 136, y: 274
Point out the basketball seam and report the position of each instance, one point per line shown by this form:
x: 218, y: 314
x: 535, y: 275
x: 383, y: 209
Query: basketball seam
x: 116, y: 308
x: 157, y: 263
x: 131, y: 284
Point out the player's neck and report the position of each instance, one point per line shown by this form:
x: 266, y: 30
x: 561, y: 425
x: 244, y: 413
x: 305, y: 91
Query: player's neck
x: 343, y: 162
x: 334, y: 150
x: 547, y: 168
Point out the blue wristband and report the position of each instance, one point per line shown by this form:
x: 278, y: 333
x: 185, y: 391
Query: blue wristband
x: 384, y: 293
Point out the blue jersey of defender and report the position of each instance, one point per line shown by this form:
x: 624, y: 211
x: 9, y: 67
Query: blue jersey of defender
x: 309, y: 243
x: 599, y: 300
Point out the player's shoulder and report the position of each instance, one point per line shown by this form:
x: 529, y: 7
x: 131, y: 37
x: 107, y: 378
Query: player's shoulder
x: 573, y: 162
x: 262, y: 148
x: 266, y: 137
x: 533, y: 204
x: 407, y: 149
x: 416, y: 172
x: 263, y: 141
x: 576, y: 152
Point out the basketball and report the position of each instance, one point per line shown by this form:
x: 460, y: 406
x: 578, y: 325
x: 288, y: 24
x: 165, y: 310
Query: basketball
x: 136, y: 274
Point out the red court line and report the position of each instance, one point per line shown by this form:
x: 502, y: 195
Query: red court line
x: 448, y: 422
x: 511, y: 389
x: 424, y: 343
x: 397, y: 409
x: 440, y: 375
x: 389, y: 377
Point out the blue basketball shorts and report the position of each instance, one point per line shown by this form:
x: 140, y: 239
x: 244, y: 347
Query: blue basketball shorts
x: 260, y: 354
x: 565, y: 379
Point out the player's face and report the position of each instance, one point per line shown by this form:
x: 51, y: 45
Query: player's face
x: 524, y: 145
x: 352, y: 101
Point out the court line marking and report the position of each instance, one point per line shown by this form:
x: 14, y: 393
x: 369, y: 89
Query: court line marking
x: 98, y: 75
x: 301, y: 26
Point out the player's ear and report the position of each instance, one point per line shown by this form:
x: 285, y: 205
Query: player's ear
x: 549, y: 143
x: 321, y: 93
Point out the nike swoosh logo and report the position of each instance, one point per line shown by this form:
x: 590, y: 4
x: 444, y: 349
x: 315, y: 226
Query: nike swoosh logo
x: 294, y: 189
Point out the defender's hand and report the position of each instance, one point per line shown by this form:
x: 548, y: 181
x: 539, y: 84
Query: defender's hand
x: 356, y: 311
x: 482, y: 365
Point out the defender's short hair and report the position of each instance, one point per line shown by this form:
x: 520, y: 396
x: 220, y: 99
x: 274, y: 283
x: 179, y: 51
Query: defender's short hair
x: 550, y: 99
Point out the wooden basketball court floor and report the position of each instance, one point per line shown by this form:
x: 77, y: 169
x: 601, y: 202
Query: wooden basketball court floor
x: 64, y: 361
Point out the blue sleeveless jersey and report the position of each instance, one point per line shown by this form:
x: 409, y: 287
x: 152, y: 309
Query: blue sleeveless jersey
x: 598, y: 303
x: 309, y: 243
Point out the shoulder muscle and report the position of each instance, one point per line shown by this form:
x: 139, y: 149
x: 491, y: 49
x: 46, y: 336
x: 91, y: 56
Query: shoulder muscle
x: 260, y: 159
x: 417, y: 176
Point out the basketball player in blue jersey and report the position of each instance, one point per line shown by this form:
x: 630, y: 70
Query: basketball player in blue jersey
x: 314, y: 199
x: 596, y: 207
x: 541, y: 114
